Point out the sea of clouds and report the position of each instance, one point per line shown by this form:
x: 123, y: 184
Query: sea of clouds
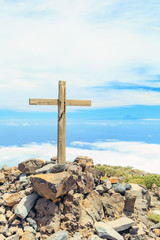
x: 139, y: 155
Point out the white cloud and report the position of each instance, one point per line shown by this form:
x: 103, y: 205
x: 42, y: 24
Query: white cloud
x: 139, y: 155
x: 27, y: 122
x: 86, y: 43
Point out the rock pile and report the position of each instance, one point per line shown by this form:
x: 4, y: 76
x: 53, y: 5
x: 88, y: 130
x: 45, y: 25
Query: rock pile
x: 49, y: 201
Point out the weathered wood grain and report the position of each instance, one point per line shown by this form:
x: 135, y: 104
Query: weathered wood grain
x: 69, y: 102
x: 62, y: 123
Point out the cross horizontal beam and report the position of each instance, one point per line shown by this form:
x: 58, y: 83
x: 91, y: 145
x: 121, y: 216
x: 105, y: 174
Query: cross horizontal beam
x: 69, y: 102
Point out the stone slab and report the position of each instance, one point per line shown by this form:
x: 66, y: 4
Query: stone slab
x: 105, y: 231
x: 51, y: 168
x: 121, y: 224
x: 25, y: 205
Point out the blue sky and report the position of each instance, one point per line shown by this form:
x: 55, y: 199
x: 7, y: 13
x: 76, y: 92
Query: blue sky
x: 106, y: 50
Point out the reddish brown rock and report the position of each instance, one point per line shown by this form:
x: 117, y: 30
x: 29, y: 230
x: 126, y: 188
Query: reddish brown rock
x: 157, y: 232
x: 113, y: 205
x: 30, y: 166
x: 86, y: 220
x: 142, y: 201
x: 12, y: 218
x: 11, y: 199
x: 28, y: 236
x: 72, y: 208
x: 4, y: 188
x: 8, y: 214
x: 2, y: 228
x: 74, y: 169
x: 85, y: 182
x: 70, y: 203
x: 46, y: 207
x: 20, y: 231
x: 2, y: 219
x: 97, y: 174
x: 28, y: 191
x: 2, y: 237
x: 130, y: 198
x: 53, y: 185
x: 48, y: 218
x: 11, y: 231
x: 85, y: 162
x: 2, y: 210
x: 93, y: 206
x: 2, y: 178
x: 48, y: 224
x: 14, y: 171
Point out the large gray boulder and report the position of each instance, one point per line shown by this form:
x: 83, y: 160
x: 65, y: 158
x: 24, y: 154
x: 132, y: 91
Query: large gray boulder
x: 25, y: 205
x: 128, y: 186
x: 105, y: 231
x: 51, y: 168
x: 119, y: 188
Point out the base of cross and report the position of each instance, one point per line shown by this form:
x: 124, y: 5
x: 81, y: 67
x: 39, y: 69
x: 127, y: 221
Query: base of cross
x: 62, y: 102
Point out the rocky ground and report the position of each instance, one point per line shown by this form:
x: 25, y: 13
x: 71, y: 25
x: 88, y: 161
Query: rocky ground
x: 45, y: 200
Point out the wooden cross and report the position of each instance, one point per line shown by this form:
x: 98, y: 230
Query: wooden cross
x: 61, y: 102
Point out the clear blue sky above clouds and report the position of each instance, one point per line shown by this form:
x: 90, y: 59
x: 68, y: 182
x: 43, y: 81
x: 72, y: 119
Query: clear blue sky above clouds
x: 106, y: 50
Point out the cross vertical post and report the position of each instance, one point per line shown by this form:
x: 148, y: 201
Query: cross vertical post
x: 61, y: 141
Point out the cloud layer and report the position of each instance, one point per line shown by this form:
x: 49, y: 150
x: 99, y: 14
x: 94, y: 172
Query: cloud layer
x: 87, y: 43
x: 136, y: 154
